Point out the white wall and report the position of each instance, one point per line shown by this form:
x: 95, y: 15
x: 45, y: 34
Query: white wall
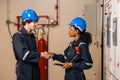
x: 58, y: 37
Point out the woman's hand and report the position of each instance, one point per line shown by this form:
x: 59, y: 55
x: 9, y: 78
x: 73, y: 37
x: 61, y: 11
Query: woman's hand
x: 67, y: 65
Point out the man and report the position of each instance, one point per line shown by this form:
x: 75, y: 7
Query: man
x: 25, y: 50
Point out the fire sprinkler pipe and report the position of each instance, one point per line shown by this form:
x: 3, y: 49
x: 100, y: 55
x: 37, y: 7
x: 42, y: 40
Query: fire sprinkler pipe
x: 18, y: 25
x: 102, y: 41
x: 43, y: 16
x: 56, y: 7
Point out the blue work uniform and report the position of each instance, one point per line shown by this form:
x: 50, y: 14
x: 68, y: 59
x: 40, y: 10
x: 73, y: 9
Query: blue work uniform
x: 25, y: 51
x: 81, y: 60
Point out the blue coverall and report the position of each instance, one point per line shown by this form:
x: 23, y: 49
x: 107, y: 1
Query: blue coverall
x: 81, y: 62
x: 25, y: 50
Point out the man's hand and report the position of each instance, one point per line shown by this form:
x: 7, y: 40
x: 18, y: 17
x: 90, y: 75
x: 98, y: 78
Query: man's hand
x: 45, y: 55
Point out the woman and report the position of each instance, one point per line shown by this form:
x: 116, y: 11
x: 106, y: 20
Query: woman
x: 77, y: 56
x: 25, y: 49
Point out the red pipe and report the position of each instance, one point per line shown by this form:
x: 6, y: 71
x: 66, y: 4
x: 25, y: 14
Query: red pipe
x: 56, y: 7
x: 43, y: 16
x: 18, y: 25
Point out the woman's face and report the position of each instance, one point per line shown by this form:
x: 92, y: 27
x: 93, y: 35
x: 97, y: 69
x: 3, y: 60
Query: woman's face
x: 72, y: 32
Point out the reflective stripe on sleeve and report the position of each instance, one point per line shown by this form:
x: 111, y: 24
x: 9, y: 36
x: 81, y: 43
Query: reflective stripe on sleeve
x: 65, y: 57
x: 89, y: 64
x: 26, y: 55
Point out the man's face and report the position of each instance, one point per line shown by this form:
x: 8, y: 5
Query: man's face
x: 32, y: 25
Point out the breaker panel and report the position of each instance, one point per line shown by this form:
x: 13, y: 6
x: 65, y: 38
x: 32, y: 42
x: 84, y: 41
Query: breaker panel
x: 111, y: 40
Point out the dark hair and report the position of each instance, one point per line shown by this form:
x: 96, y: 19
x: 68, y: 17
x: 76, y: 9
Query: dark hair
x: 27, y: 21
x: 85, y: 36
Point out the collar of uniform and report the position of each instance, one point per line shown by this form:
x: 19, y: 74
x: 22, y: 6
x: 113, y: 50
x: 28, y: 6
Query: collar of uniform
x: 76, y: 43
x: 23, y: 30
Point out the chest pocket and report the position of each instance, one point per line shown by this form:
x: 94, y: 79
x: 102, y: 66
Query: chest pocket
x: 74, y: 52
x: 23, y: 39
x: 29, y: 42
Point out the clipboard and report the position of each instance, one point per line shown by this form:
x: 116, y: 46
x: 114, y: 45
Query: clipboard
x: 58, y: 64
